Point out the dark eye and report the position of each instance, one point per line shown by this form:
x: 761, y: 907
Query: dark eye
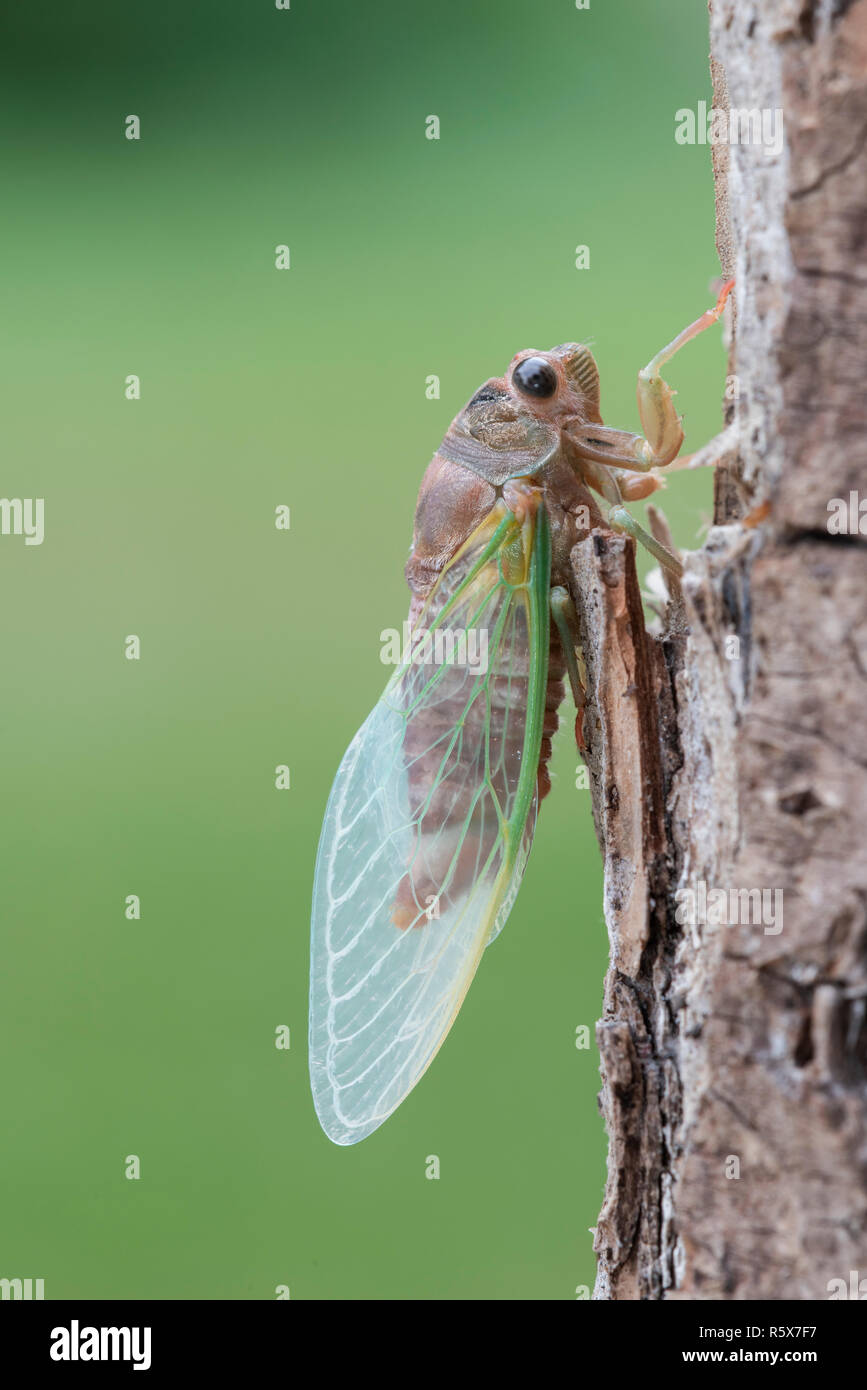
x: 535, y: 377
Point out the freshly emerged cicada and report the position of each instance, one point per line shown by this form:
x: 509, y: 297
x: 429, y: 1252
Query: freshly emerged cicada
x: 431, y: 816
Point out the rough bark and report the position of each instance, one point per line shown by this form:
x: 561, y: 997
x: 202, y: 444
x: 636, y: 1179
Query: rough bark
x: 727, y: 1048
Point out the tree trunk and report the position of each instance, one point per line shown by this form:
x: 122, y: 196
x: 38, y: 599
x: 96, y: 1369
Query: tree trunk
x: 728, y: 749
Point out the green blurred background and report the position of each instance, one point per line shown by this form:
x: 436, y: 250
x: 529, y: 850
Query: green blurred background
x: 259, y: 647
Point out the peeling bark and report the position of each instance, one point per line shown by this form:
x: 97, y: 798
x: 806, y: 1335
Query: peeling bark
x: 737, y: 1048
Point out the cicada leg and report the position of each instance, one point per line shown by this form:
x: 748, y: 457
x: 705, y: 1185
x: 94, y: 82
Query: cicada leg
x: 663, y: 436
x: 660, y: 421
x: 619, y: 519
x: 566, y: 620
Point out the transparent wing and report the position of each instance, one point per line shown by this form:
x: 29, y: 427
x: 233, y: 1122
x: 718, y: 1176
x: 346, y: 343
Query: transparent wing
x: 428, y: 826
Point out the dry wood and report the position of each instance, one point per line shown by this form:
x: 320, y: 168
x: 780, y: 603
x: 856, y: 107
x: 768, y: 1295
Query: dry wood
x: 734, y: 1057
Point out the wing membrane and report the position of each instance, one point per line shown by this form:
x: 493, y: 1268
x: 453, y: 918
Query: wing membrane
x: 428, y: 826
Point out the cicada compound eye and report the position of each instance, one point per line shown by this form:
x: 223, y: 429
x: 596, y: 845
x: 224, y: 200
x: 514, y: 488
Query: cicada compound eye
x: 535, y: 377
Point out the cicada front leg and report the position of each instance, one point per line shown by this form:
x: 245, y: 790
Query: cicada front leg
x: 660, y: 421
x: 663, y: 436
x: 620, y: 466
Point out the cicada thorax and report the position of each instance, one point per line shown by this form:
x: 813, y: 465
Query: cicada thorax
x: 452, y: 502
x: 497, y: 440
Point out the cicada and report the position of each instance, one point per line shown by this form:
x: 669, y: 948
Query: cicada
x: 432, y: 812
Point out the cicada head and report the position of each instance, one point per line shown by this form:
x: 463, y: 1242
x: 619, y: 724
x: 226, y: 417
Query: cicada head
x: 559, y: 385
x: 515, y: 423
